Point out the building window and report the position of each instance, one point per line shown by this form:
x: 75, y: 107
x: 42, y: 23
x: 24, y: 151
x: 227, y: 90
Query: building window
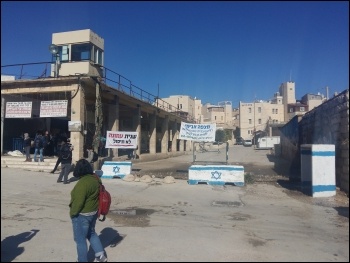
x: 291, y: 110
x: 276, y: 111
x: 81, y: 52
x: 250, y: 110
x: 63, y: 52
x: 273, y: 111
x: 214, y: 117
x: 259, y: 121
x: 222, y: 118
x: 250, y: 121
x: 302, y: 109
x: 98, y: 56
x: 259, y: 109
x: 64, y: 55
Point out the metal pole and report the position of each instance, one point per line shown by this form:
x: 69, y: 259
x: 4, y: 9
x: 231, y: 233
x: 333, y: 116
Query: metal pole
x: 56, y: 65
x: 2, y: 122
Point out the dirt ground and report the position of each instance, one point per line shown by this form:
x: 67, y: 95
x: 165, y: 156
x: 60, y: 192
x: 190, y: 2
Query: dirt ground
x: 259, y: 174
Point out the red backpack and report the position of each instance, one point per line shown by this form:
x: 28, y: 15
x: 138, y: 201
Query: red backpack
x: 104, y: 202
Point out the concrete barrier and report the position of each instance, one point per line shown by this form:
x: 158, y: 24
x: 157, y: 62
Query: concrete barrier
x: 115, y: 169
x: 318, y: 169
x: 216, y: 174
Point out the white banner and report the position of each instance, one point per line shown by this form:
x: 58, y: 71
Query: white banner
x: 54, y: 108
x: 21, y: 109
x: 197, y: 132
x: 121, y: 140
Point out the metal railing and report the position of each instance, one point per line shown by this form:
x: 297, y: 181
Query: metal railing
x: 36, y: 70
x: 40, y: 70
x: 119, y: 82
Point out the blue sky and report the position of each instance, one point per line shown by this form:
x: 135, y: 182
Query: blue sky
x: 215, y: 51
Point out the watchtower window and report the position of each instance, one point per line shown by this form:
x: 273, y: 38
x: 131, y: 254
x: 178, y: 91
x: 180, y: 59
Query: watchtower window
x: 81, y: 52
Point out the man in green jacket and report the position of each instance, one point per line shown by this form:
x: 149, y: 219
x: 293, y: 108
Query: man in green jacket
x: 83, y: 211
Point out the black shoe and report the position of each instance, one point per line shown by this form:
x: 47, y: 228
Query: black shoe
x: 52, y: 172
x: 59, y: 181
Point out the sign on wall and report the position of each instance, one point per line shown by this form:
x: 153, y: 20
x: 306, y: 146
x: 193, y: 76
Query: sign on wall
x: 121, y: 140
x: 22, y: 109
x: 54, y: 108
x: 74, y: 126
x: 197, y: 132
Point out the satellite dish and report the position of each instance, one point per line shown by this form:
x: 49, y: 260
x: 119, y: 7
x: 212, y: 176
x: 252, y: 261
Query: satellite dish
x: 53, y: 49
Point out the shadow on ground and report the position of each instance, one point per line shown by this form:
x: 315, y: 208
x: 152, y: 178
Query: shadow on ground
x: 109, y: 237
x: 10, y: 246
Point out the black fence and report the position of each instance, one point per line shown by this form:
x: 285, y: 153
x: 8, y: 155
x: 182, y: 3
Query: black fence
x: 109, y: 77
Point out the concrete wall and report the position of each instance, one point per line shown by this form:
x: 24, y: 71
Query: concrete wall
x: 325, y: 124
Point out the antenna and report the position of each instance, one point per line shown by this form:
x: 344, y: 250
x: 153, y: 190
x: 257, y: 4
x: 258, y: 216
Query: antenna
x: 290, y: 76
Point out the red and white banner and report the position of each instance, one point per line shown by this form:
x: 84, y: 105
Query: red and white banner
x: 121, y: 140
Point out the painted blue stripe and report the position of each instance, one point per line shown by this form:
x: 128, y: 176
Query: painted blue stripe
x: 323, y: 188
x: 318, y: 153
x: 113, y: 176
x: 192, y: 182
x: 325, y: 153
x: 217, y: 168
x: 128, y: 164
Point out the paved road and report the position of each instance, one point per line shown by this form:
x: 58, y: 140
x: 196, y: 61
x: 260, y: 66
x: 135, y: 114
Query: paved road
x: 174, y: 222
x: 258, y: 162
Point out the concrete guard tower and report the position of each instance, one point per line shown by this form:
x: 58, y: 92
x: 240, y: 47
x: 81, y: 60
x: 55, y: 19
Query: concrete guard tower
x: 77, y: 52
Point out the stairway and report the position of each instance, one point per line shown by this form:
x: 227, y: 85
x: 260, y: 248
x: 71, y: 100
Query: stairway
x: 18, y: 162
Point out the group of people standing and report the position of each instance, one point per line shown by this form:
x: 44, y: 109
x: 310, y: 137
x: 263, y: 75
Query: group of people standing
x: 44, y: 144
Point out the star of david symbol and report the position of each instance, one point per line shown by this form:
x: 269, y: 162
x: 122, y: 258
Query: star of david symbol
x: 215, y: 175
x: 116, y: 169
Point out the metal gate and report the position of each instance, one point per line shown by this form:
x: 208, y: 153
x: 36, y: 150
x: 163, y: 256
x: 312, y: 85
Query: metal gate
x: 210, y: 152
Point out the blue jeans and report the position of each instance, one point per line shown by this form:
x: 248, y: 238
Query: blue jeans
x: 65, y: 170
x: 84, y: 228
x: 41, y: 154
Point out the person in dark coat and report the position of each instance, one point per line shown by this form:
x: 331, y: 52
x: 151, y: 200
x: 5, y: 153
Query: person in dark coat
x: 26, y: 146
x: 66, y: 161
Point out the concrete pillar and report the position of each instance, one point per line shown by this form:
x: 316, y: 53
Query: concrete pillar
x: 77, y: 114
x: 137, y: 128
x: 188, y: 145
x: 113, y: 123
x: 182, y: 144
x: 153, y: 134
x: 177, y: 135
x: 165, y: 135
x: 98, y: 123
x: 174, y: 136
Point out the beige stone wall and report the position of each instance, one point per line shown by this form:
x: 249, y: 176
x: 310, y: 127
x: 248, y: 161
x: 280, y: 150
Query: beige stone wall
x: 325, y: 124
